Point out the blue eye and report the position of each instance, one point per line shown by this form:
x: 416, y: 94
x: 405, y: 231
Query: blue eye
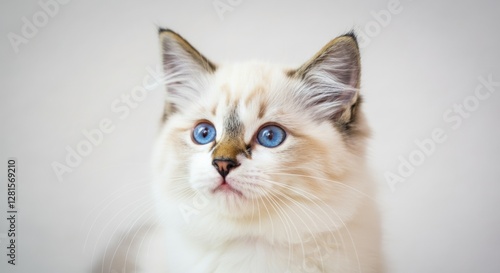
x: 204, y: 133
x: 271, y: 136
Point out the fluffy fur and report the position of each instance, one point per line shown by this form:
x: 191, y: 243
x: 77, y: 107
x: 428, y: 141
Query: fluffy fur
x: 304, y: 206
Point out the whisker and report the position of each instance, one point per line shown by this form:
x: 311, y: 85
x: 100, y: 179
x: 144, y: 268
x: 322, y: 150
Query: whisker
x: 322, y: 210
x: 270, y: 218
x: 327, y: 180
x: 289, y: 238
x: 312, y: 220
x: 285, y: 225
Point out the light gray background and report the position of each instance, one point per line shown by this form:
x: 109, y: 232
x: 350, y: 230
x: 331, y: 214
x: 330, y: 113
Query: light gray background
x: 442, y: 218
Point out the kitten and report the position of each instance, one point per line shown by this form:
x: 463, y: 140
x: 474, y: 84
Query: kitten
x: 261, y: 168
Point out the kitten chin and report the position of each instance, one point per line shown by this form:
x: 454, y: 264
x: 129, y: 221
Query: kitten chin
x: 261, y: 168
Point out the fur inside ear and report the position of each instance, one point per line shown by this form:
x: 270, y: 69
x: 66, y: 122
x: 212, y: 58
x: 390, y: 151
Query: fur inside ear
x: 185, y: 71
x: 331, y: 80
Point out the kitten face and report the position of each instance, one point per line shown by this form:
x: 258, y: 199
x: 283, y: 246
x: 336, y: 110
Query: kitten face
x: 257, y: 140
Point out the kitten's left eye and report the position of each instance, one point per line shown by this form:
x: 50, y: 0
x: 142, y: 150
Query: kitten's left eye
x: 271, y: 136
x: 204, y: 133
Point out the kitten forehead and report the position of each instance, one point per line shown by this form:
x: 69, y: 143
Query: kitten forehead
x: 245, y: 81
x: 250, y: 86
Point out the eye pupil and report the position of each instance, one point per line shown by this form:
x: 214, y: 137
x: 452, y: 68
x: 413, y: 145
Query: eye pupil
x: 269, y: 135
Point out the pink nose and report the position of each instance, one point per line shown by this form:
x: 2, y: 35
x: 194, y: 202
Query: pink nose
x: 224, y: 166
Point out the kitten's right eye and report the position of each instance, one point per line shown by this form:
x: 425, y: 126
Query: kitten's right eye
x: 203, y: 133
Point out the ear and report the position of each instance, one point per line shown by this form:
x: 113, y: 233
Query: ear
x: 331, y: 80
x: 185, y: 70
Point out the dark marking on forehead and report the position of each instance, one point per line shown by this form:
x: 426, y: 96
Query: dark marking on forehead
x: 232, y: 123
x: 214, y: 110
x: 262, y: 109
x: 225, y: 91
x: 257, y: 98
x: 257, y: 92
x: 232, y: 143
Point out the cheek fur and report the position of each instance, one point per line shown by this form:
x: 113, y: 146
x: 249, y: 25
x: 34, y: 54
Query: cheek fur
x: 202, y: 175
x: 176, y: 153
x: 309, y: 165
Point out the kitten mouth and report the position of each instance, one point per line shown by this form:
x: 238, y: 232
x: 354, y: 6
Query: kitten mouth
x: 224, y: 187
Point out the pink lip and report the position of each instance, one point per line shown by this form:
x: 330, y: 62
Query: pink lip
x: 226, y: 188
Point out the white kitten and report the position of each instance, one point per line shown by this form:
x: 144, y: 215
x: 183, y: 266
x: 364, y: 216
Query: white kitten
x: 260, y: 168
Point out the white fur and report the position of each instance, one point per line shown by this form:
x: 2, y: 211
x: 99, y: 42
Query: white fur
x: 282, y: 224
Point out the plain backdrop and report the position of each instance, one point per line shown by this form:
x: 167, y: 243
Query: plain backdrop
x: 418, y: 64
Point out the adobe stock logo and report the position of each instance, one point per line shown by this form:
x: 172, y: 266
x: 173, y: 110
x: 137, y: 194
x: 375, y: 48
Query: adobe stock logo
x: 454, y: 116
x: 39, y: 19
x: 223, y: 6
x: 380, y: 20
x: 122, y: 107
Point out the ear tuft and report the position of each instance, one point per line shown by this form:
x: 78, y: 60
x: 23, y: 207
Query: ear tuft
x: 331, y: 79
x: 185, y: 70
x: 176, y: 49
x: 160, y: 30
